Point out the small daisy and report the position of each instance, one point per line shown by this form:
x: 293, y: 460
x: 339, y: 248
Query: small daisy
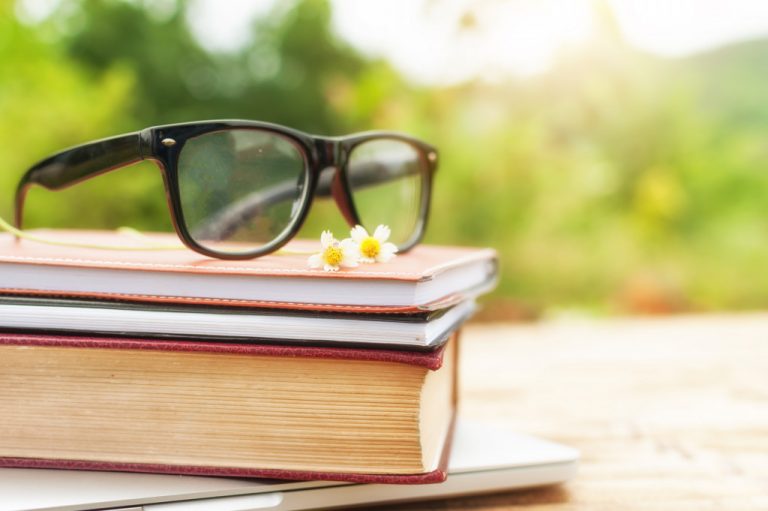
x: 334, y: 254
x: 373, y: 249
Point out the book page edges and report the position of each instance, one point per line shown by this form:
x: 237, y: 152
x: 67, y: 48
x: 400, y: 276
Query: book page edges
x: 438, y: 409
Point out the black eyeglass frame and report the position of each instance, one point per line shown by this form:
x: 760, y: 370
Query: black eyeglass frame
x: 163, y: 145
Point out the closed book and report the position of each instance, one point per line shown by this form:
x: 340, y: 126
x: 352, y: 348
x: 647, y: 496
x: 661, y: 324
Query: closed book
x: 419, y: 330
x: 426, y: 278
x: 217, y: 408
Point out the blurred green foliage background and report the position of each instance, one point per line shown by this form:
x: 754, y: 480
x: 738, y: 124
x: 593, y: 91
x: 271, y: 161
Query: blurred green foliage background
x: 615, y: 182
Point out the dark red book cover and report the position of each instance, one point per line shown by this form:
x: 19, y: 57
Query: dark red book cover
x: 432, y: 361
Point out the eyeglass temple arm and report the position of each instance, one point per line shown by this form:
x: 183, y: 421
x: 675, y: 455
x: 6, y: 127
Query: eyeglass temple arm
x: 78, y: 164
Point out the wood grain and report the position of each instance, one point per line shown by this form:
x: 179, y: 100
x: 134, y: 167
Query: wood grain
x: 668, y: 413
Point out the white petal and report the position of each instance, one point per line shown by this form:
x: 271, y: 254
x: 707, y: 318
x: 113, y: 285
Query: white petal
x: 385, y: 258
x: 358, y: 233
x: 315, y: 260
x: 382, y: 233
x: 327, y: 239
x: 350, y: 249
x: 349, y: 262
x: 329, y: 267
x: 387, y: 253
x: 349, y: 243
x: 389, y: 247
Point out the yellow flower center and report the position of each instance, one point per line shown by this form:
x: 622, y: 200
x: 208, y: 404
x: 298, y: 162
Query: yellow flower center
x: 370, y: 247
x: 332, y: 255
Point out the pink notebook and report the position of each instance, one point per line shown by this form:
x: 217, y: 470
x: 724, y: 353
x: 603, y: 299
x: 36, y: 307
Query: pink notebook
x: 426, y: 278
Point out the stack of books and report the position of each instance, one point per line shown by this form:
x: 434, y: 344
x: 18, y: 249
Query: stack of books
x: 168, y: 362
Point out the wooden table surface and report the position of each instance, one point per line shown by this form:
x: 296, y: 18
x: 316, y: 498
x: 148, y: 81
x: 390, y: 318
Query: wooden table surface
x: 669, y: 414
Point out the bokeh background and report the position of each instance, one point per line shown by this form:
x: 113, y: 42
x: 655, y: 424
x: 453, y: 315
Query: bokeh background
x: 614, y: 152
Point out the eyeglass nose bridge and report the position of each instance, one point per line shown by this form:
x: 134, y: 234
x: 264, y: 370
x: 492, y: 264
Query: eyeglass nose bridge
x: 327, y: 151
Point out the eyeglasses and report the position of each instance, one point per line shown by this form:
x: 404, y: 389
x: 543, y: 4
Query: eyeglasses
x: 242, y: 189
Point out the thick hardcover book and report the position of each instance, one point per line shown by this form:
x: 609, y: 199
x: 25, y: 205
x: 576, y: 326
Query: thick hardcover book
x: 426, y: 278
x: 243, y: 410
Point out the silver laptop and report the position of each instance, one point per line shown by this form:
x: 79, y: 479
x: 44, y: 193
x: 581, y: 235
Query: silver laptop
x: 484, y: 458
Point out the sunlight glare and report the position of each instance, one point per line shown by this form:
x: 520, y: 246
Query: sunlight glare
x: 456, y: 40
x: 688, y: 26
x: 452, y: 41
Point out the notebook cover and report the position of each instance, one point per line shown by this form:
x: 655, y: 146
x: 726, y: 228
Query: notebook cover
x: 420, y: 264
x: 430, y: 360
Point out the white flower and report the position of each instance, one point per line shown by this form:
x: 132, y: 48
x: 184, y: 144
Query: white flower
x: 334, y: 254
x: 373, y: 248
